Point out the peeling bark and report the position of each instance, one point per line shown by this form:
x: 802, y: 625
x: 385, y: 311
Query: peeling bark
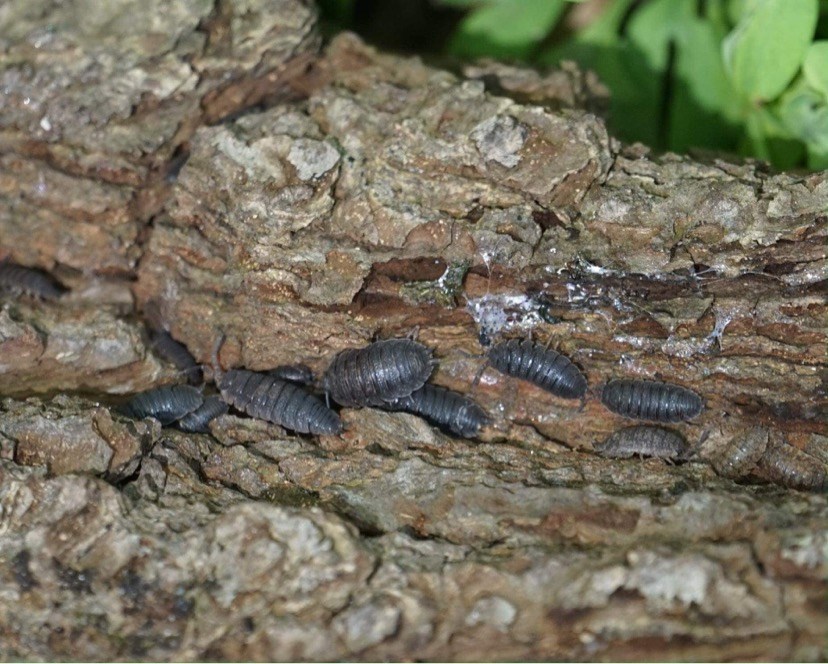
x: 209, y: 164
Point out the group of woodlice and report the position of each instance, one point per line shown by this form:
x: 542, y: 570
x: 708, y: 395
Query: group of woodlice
x: 393, y: 375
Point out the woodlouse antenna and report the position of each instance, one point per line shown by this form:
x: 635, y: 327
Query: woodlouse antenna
x: 218, y: 372
x: 476, y: 381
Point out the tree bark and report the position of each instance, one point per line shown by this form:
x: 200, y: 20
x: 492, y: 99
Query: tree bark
x: 211, y: 167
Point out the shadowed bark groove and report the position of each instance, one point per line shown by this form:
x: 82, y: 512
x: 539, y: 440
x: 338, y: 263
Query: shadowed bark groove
x: 212, y: 163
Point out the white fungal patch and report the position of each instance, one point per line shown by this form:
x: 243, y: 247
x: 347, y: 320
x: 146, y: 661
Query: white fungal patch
x: 499, y: 139
x: 575, y: 293
x: 494, y: 314
x: 685, y: 348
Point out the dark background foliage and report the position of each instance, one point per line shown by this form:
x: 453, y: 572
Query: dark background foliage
x: 746, y: 77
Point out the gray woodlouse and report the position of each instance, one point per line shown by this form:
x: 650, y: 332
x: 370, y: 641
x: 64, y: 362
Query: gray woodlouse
x: 275, y: 400
x: 301, y: 374
x: 741, y: 453
x: 791, y: 467
x: 651, y: 400
x: 542, y: 366
x: 176, y: 354
x: 447, y: 409
x: 378, y: 373
x: 166, y: 404
x: 645, y: 441
x: 198, y: 421
x: 18, y: 279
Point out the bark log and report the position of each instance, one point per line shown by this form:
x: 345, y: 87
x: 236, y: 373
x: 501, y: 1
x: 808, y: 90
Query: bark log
x: 208, y: 165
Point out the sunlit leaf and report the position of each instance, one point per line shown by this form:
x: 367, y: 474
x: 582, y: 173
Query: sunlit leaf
x: 506, y: 28
x: 656, y: 24
x: 737, y: 8
x: 815, y: 66
x: 715, y: 12
x: 765, y: 49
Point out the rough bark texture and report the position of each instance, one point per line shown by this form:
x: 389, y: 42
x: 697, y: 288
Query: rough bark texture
x: 207, y: 162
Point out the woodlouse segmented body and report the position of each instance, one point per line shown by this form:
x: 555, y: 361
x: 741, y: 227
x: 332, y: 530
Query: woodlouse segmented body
x: 294, y: 373
x: 741, y: 453
x: 791, y: 467
x: 381, y: 372
x: 198, y: 421
x: 166, y: 404
x: 447, y: 409
x: 651, y: 400
x: 177, y: 354
x: 544, y: 367
x: 19, y: 279
x: 275, y: 400
x: 645, y: 441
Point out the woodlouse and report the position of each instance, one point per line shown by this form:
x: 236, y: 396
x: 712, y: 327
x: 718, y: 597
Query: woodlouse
x: 378, y: 373
x: 198, y: 421
x: 166, y: 404
x: 275, y: 400
x: 176, y: 354
x: 19, y: 279
x: 645, y: 441
x: 651, y: 400
x: 447, y: 409
x: 741, y: 453
x: 791, y: 467
x: 294, y: 373
x: 542, y: 366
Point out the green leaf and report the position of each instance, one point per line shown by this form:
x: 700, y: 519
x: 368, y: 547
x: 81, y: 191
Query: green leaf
x: 635, y: 90
x: 803, y: 112
x: 506, y: 28
x: 771, y: 140
x: 461, y: 4
x: 737, y: 8
x: 765, y: 49
x: 656, y: 24
x: 715, y: 11
x: 815, y: 66
x: 704, y: 111
x: 605, y: 29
